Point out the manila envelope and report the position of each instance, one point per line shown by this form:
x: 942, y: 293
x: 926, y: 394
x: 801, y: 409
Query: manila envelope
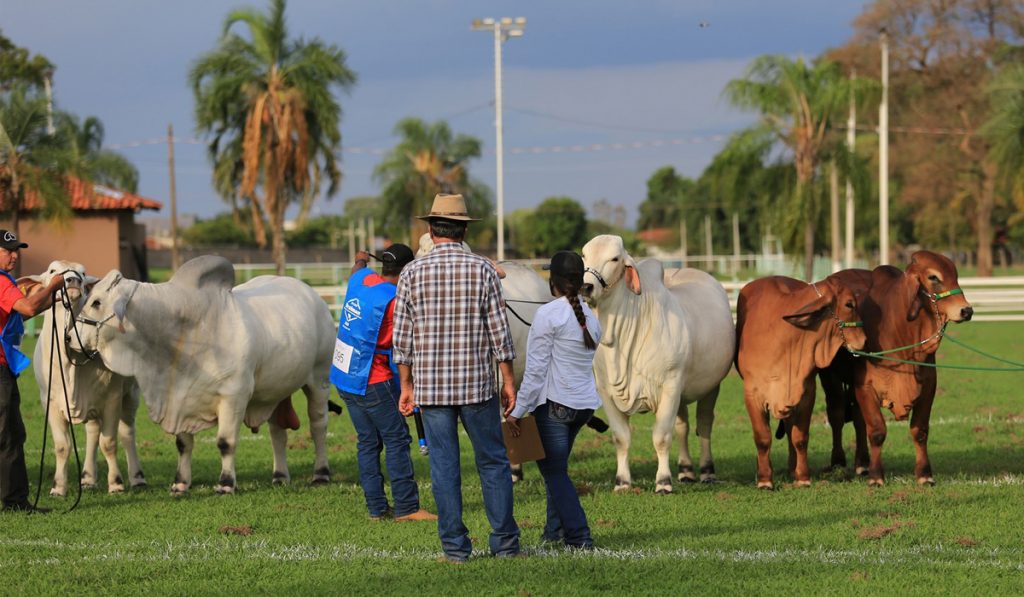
x: 527, y: 446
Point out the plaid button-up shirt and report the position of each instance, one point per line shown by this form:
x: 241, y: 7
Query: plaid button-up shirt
x: 449, y: 321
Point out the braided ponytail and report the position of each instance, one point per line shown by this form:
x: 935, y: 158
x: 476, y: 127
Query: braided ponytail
x: 572, y: 294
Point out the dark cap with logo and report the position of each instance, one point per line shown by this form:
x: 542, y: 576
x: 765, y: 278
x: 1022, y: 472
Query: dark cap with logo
x: 568, y: 265
x: 396, y: 256
x: 9, y: 241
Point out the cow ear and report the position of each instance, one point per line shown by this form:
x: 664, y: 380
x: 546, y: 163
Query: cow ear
x: 120, y: 306
x: 811, y: 314
x: 88, y: 283
x: 631, y: 275
x: 915, y: 307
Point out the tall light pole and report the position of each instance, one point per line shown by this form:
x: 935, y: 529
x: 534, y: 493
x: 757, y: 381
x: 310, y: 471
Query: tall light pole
x: 883, y: 156
x: 851, y: 140
x: 503, y: 28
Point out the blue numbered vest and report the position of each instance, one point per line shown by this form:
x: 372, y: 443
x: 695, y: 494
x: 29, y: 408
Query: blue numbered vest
x: 361, y: 317
x: 10, y: 338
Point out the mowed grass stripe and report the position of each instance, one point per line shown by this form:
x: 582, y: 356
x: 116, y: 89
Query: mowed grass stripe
x: 75, y: 553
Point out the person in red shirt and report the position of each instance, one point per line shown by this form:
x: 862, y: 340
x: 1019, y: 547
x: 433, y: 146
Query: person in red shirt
x: 362, y: 372
x: 14, y: 305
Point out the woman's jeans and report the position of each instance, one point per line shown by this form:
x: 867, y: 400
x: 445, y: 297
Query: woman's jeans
x: 558, y: 425
x: 379, y: 425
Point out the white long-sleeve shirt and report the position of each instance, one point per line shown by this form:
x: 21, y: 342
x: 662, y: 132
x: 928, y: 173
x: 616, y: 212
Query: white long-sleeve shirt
x: 559, y: 366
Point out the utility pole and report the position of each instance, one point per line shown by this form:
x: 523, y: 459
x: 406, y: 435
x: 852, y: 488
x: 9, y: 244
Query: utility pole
x: 834, y: 215
x: 883, y: 156
x: 48, y: 88
x: 175, y: 256
x: 708, y: 247
x: 682, y: 240
x: 503, y: 29
x: 851, y: 140
x: 735, y: 243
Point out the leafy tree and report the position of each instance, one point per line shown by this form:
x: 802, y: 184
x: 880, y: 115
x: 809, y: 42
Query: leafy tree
x: 428, y: 160
x: 220, y: 231
x: 1005, y: 132
x: 558, y: 223
x: 321, y: 231
x: 104, y: 166
x: 796, y: 102
x: 667, y: 192
x: 942, y: 57
x: 33, y: 160
x: 268, y: 103
x: 17, y: 66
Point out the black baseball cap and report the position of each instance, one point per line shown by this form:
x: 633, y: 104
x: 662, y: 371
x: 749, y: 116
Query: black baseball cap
x: 566, y: 264
x: 397, y: 254
x: 9, y: 241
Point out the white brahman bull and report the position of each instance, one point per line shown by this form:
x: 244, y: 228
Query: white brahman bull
x: 207, y: 354
x: 104, y: 401
x: 661, y: 349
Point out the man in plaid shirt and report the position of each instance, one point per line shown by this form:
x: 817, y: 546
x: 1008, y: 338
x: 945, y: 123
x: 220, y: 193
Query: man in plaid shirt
x: 449, y: 322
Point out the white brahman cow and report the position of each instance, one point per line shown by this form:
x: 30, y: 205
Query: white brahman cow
x: 104, y: 401
x: 661, y: 349
x: 207, y: 354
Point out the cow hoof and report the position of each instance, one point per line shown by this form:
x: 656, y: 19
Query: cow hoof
x: 922, y: 481
x: 663, y: 487
x: 686, y: 477
x: 875, y: 482
x: 861, y: 471
x: 320, y: 481
x: 55, y: 492
x: 179, y: 489
x: 802, y: 483
x: 140, y: 484
x: 224, y: 489
x: 663, y: 490
x: 88, y: 485
x: 115, y: 489
x: 281, y: 478
x: 709, y: 479
x: 622, y: 487
x: 765, y: 485
x: 516, y: 477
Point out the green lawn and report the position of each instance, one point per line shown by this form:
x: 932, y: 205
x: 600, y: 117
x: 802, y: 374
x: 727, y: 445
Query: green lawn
x: 837, y: 537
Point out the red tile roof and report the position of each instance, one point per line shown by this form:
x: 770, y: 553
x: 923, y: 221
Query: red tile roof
x: 86, y: 197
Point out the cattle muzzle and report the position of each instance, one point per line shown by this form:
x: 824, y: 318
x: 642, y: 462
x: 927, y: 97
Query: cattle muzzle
x: 966, y: 313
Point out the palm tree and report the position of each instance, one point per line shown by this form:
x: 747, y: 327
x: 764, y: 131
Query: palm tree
x: 268, y: 104
x: 796, y: 102
x: 33, y: 160
x: 104, y: 166
x: 427, y: 160
x: 1005, y: 130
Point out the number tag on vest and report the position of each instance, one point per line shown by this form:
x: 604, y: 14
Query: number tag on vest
x: 342, y: 355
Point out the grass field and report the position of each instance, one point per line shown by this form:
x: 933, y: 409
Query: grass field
x: 837, y: 537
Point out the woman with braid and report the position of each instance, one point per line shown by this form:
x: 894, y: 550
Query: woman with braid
x: 558, y: 387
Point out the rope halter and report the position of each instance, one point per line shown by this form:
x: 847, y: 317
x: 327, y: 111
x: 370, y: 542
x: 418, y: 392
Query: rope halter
x: 840, y: 324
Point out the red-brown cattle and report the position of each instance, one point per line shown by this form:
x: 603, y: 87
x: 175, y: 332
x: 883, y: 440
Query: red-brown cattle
x: 906, y: 310
x: 785, y: 331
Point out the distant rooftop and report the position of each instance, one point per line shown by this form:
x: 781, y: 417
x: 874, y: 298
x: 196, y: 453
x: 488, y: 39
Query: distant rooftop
x: 86, y: 197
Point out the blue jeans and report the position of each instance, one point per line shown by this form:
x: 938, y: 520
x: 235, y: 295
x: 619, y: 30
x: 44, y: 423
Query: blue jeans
x: 379, y: 425
x: 558, y: 425
x: 482, y: 423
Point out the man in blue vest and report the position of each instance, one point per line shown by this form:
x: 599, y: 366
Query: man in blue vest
x: 364, y: 373
x: 13, y: 307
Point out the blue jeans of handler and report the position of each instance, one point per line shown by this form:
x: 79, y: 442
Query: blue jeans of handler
x: 380, y: 426
x: 557, y: 426
x: 482, y: 423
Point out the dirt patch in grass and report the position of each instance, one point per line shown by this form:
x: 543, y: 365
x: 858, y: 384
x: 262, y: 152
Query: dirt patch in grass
x: 898, y: 498
x: 878, y: 531
x: 243, y: 530
x: 604, y: 522
x: 584, y: 488
x: 967, y: 541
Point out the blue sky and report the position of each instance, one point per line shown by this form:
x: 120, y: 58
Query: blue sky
x: 641, y: 80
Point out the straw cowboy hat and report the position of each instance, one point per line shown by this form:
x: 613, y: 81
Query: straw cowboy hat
x: 449, y: 207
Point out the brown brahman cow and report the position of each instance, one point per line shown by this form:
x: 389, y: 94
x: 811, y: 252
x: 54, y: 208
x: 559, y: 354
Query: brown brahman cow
x: 786, y: 330
x: 904, y: 310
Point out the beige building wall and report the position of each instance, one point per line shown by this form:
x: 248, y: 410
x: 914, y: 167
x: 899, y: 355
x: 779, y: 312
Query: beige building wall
x: 99, y: 241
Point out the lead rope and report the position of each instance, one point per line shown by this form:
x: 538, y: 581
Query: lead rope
x: 55, y: 347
